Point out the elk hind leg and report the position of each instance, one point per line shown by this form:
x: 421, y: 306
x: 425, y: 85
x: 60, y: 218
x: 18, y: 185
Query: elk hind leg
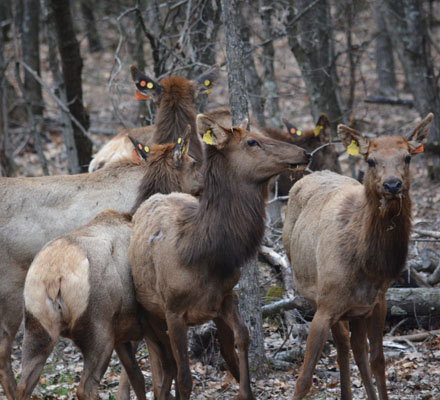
x: 360, y: 352
x: 375, y: 326
x: 227, y: 347
x: 341, y: 337
x: 37, y: 345
x: 316, y: 339
x: 131, y: 367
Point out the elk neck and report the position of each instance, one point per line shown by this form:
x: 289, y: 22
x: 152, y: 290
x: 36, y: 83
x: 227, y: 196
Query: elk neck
x: 226, y: 227
x: 376, y: 232
x: 176, y: 110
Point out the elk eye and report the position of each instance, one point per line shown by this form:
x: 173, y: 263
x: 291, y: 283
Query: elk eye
x: 407, y: 159
x: 371, y: 163
x: 252, y: 142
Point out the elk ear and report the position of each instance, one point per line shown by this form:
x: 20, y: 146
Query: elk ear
x: 145, y: 86
x: 420, y: 134
x: 205, y: 82
x: 353, y: 141
x: 211, y: 133
x: 181, y: 147
x: 140, y: 151
x: 292, y: 130
x: 322, y: 127
x: 244, y: 124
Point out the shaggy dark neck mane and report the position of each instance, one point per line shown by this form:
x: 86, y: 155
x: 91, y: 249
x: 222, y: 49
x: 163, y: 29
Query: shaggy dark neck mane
x: 160, y: 177
x: 177, y: 110
x: 226, y: 227
x: 383, y: 229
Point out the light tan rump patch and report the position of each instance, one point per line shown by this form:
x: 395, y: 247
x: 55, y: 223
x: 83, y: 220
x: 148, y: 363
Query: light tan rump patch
x: 57, y: 285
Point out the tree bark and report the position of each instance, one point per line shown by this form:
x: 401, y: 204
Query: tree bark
x: 253, y: 81
x: 31, y: 52
x: 72, y: 68
x: 90, y: 27
x: 270, y: 84
x: 248, y: 286
x: 384, y: 54
x: 411, y: 41
x: 311, y: 41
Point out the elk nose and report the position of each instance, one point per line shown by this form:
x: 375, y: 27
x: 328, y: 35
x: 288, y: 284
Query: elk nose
x: 392, y: 185
x: 308, y: 156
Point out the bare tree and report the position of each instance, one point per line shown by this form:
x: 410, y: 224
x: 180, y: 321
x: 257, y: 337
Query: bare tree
x: 249, y: 288
x: 411, y: 40
x: 309, y: 28
x: 93, y: 38
x: 72, y: 68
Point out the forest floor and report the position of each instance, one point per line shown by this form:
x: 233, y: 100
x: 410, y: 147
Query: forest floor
x: 413, y: 368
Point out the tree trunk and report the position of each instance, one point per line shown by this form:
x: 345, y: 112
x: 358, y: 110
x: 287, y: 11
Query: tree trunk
x: 253, y: 81
x: 410, y: 39
x: 270, y: 84
x: 90, y: 27
x: 31, y: 52
x: 384, y: 54
x: 249, y: 289
x: 72, y: 67
x: 311, y: 41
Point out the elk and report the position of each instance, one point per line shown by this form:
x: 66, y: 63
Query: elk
x: 185, y: 254
x: 346, y: 242
x: 33, y: 211
x: 175, y: 97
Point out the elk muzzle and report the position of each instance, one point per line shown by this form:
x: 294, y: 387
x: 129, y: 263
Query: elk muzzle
x: 392, y: 185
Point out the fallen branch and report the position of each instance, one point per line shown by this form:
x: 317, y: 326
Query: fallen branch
x: 387, y: 100
x: 433, y: 234
x: 416, y: 337
x: 404, y: 302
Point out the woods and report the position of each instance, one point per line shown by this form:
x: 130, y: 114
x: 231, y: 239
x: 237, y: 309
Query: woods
x: 66, y: 90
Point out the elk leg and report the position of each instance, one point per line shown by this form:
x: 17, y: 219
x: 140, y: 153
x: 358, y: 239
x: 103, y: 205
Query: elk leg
x: 37, y: 345
x: 341, y: 338
x: 315, y: 343
x: 97, y: 349
x: 375, y: 326
x: 131, y: 367
x: 231, y: 316
x: 177, y: 331
x: 360, y: 352
x: 7, y: 379
x: 227, y: 347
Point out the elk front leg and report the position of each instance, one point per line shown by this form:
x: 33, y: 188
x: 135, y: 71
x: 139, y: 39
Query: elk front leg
x: 126, y: 354
x: 375, y: 326
x: 231, y: 316
x: 37, y: 345
x: 360, y: 352
x: 7, y: 379
x: 315, y: 343
x: 177, y: 331
x: 124, y: 382
x: 341, y: 338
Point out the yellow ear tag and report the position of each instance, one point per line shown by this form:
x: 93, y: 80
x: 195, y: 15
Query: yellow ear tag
x: 298, y: 132
x: 317, y: 130
x: 207, y: 82
x: 353, y: 149
x: 147, y: 149
x: 179, y: 140
x: 150, y: 85
x: 207, y: 138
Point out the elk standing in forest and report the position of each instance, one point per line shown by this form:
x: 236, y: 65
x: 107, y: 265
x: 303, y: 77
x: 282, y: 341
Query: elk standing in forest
x: 35, y: 210
x: 175, y: 97
x: 80, y: 285
x: 186, y: 254
x: 346, y: 242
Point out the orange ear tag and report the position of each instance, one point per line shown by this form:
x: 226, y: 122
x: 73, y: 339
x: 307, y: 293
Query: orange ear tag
x: 419, y: 149
x: 140, y: 96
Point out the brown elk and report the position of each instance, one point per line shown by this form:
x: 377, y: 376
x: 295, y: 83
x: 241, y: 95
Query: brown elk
x: 35, y: 210
x: 80, y: 285
x: 175, y: 97
x: 186, y: 254
x: 346, y: 242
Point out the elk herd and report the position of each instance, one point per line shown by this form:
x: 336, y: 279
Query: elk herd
x: 152, y: 240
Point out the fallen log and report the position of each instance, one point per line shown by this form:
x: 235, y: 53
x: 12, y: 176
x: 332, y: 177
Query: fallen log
x: 403, y: 302
x: 388, y: 100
